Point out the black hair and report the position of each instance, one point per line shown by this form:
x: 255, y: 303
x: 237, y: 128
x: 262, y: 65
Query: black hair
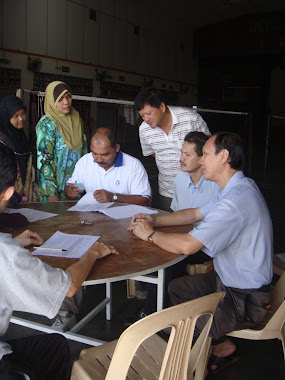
x: 149, y: 96
x: 232, y: 142
x: 197, y: 138
x: 108, y: 132
x: 8, y: 167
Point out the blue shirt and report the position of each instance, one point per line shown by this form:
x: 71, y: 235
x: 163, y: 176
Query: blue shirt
x: 188, y: 195
x: 237, y: 232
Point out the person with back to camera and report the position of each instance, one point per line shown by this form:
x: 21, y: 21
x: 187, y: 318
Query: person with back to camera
x: 27, y: 284
x: 162, y: 135
x: 12, y: 119
x: 61, y: 142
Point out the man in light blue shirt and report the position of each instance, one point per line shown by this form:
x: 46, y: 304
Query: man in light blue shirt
x: 191, y: 189
x: 236, y: 230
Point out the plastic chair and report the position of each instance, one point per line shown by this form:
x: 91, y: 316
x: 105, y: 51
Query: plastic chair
x: 142, y: 354
x: 274, y: 325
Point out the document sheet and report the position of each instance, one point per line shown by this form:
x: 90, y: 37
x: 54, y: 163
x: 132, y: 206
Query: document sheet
x: 66, y: 245
x: 89, y: 203
x: 30, y: 214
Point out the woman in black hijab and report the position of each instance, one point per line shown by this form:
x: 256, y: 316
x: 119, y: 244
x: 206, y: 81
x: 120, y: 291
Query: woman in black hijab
x: 12, y: 119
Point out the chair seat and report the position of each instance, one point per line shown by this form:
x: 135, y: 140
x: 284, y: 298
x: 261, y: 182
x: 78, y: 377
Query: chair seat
x: 94, y: 362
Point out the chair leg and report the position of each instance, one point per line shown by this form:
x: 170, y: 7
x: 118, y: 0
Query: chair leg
x: 200, y: 372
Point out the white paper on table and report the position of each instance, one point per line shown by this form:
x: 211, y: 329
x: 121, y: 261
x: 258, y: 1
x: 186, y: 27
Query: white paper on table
x: 127, y: 211
x: 281, y: 256
x: 89, y: 203
x: 75, y: 245
x: 30, y: 214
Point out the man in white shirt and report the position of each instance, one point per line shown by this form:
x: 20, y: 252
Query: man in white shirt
x: 162, y: 135
x: 111, y: 175
x: 27, y: 284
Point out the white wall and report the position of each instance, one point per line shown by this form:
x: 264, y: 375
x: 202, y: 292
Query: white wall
x: 62, y: 30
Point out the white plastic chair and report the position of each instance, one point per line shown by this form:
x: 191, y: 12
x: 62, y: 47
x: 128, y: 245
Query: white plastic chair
x: 274, y: 325
x: 142, y: 354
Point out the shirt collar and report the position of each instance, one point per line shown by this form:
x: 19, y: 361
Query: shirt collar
x: 199, y: 184
x: 234, y: 179
x: 174, y: 116
x: 119, y: 162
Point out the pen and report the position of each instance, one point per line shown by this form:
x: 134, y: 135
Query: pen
x: 85, y: 222
x: 51, y: 249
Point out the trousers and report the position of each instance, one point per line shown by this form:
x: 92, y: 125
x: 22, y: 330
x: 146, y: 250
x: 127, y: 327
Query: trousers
x: 240, y: 308
x: 41, y: 357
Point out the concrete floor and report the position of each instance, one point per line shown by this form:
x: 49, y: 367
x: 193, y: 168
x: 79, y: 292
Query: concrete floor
x: 260, y: 360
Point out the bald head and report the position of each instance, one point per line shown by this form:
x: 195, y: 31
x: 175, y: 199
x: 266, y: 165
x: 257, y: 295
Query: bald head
x: 101, y: 134
x: 104, y: 148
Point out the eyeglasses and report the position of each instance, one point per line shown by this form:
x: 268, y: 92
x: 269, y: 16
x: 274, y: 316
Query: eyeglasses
x: 17, y: 115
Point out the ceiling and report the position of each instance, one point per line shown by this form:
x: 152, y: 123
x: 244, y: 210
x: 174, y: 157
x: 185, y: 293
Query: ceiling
x: 199, y: 13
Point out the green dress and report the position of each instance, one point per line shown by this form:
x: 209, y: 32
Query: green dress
x: 55, y: 161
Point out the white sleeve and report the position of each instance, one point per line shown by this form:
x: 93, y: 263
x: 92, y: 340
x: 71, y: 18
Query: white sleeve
x: 140, y: 183
x: 147, y: 149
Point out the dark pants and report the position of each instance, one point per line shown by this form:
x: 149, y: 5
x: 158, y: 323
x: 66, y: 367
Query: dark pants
x: 41, y: 357
x: 160, y: 202
x: 240, y: 308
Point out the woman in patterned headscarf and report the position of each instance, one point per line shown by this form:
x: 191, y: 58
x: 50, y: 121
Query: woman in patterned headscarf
x: 12, y: 119
x: 61, y: 142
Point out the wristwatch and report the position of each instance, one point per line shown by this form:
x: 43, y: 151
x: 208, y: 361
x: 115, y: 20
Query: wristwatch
x: 115, y: 197
x: 150, y: 237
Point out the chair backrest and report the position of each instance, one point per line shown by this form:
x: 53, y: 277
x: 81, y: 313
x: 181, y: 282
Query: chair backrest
x: 276, y: 315
x: 180, y: 355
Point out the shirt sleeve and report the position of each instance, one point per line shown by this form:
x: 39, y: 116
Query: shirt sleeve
x: 140, y: 184
x: 46, y: 140
x: 147, y: 149
x: 219, y: 228
x: 30, y: 285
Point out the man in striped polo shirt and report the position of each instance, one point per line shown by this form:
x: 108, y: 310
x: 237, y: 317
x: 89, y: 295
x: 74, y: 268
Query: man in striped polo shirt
x: 162, y: 135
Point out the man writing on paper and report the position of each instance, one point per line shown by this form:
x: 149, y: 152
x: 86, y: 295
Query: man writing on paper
x: 111, y: 175
x: 236, y: 230
x: 27, y: 284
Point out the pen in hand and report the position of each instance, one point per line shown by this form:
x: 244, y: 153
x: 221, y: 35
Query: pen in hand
x: 51, y: 249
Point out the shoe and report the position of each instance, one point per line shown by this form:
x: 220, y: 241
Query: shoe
x: 221, y: 363
x: 135, y: 317
x: 141, y: 295
x: 64, y: 321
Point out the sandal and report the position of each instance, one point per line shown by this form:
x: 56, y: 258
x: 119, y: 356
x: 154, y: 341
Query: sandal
x: 222, y: 363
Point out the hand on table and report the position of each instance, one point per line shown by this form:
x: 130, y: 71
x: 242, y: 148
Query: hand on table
x: 103, y: 196
x: 140, y: 217
x: 28, y: 237
x: 142, y: 229
x: 103, y: 249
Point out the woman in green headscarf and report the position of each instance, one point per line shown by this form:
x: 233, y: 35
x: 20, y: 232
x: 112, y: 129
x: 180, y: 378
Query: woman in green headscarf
x: 61, y: 142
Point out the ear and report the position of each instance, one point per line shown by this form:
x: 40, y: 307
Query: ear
x: 162, y: 106
x: 224, y: 156
x: 8, y: 193
x: 118, y: 147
